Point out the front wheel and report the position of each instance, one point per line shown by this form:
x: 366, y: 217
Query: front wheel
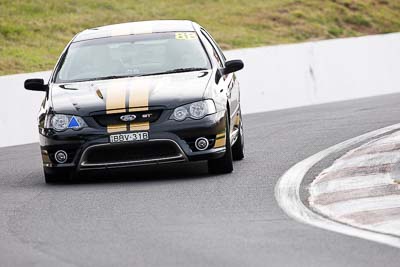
x: 225, y: 163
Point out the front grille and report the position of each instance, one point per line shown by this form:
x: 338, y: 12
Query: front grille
x: 141, y: 116
x: 132, y: 153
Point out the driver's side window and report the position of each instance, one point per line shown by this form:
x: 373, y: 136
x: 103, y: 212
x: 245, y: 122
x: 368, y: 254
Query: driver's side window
x: 215, y: 45
x: 211, y: 47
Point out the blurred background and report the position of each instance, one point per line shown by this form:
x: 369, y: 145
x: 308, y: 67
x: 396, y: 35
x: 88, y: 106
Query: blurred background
x: 34, y: 32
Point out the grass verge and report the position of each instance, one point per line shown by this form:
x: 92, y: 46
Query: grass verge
x: 34, y: 32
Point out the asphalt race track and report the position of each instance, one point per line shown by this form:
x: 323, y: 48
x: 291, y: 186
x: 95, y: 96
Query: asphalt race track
x: 181, y: 216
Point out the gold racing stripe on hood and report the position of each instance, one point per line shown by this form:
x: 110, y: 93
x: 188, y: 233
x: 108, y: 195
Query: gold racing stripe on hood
x: 139, y: 101
x: 117, y: 128
x: 115, y: 101
x: 139, y: 126
x: 220, y: 140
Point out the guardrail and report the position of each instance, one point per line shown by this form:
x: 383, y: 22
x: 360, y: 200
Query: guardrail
x: 286, y: 76
x: 18, y: 109
x: 275, y: 77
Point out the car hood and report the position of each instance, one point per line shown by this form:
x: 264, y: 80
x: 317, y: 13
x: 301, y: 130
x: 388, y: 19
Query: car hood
x: 129, y: 94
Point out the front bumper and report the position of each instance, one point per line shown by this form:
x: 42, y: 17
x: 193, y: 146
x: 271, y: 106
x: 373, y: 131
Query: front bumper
x: 178, y: 136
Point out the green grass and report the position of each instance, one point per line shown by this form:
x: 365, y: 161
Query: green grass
x: 34, y: 32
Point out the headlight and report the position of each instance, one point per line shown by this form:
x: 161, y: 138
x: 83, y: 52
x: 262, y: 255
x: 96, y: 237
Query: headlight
x: 180, y: 114
x: 61, y: 122
x: 196, y: 110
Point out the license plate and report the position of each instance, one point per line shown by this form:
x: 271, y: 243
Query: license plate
x: 129, y: 137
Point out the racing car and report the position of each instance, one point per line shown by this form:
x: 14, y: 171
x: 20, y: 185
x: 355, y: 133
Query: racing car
x: 140, y: 93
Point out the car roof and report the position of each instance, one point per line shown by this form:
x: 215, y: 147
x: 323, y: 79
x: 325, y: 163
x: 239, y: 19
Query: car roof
x: 139, y: 27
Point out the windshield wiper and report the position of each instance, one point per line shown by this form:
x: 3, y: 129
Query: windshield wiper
x: 175, y: 71
x: 184, y: 70
x: 102, y: 78
x: 137, y: 75
x: 113, y: 77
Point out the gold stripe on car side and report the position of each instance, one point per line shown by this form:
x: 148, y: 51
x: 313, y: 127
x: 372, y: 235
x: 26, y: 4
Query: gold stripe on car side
x: 139, y: 101
x: 45, y: 157
x: 220, y: 135
x: 220, y: 140
x: 237, y: 120
x: 115, y: 102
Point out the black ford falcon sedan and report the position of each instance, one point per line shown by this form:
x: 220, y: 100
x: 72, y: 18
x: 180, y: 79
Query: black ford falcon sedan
x: 140, y: 93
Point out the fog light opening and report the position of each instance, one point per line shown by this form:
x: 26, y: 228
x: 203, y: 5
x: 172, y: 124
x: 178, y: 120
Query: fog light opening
x: 201, y: 143
x: 61, y: 156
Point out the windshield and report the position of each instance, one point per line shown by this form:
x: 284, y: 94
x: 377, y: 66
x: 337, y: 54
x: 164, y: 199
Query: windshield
x: 132, y: 55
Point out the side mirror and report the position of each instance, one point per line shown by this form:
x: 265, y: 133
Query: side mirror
x: 230, y: 66
x: 35, y: 85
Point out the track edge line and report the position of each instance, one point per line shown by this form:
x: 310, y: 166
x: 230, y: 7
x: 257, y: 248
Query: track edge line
x: 287, y: 193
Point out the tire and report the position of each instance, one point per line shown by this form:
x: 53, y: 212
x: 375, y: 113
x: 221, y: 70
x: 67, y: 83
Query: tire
x: 238, y: 147
x: 57, y: 176
x: 225, y: 163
